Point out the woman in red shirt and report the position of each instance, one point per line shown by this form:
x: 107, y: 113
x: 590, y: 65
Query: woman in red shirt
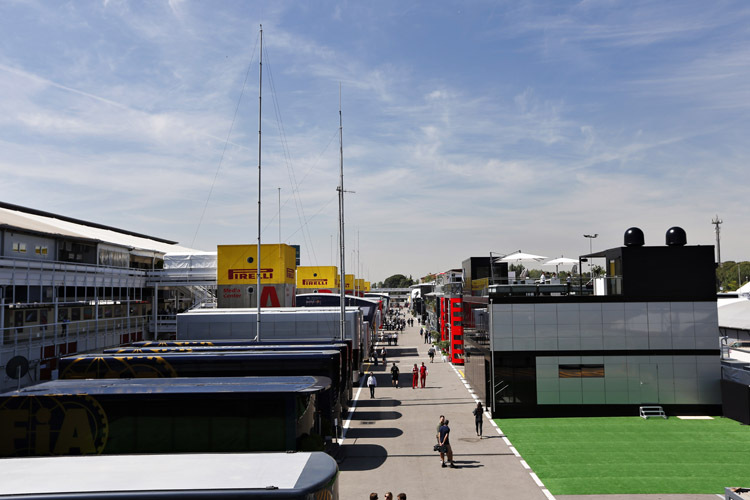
x: 414, y: 376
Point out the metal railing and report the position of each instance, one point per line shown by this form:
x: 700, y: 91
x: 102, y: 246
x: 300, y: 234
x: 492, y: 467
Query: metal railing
x: 87, y: 334
x: 35, y: 273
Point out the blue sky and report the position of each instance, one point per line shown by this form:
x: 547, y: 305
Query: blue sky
x: 469, y: 127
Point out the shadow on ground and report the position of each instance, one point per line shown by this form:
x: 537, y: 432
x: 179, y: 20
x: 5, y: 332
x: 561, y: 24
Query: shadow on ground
x: 377, y: 403
x: 365, y: 433
x: 359, y: 457
x: 399, y: 352
x: 467, y: 464
x: 375, y: 415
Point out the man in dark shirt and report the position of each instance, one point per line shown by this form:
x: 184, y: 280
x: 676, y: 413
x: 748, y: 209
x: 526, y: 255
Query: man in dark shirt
x: 445, y: 441
x: 394, y: 375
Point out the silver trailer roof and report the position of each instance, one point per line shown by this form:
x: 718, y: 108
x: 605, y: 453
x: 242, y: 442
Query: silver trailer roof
x: 250, y: 473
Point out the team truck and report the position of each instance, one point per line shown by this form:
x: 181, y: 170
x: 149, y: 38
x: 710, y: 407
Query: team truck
x: 175, y: 346
x: 185, y: 476
x: 221, y: 364
x: 298, y: 324
x: 162, y: 415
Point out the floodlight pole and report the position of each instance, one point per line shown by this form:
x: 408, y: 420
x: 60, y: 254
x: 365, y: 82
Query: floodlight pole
x: 590, y: 237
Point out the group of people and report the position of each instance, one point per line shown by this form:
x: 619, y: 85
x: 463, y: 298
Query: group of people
x: 425, y: 333
x: 391, y: 338
x: 443, y: 435
x: 443, y: 430
x: 382, y: 353
x: 418, y: 376
x: 388, y: 496
x: 418, y: 373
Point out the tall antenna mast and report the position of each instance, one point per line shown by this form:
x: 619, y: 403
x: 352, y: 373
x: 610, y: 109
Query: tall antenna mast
x: 342, y: 290
x: 359, y: 264
x: 257, y: 260
x: 717, y: 222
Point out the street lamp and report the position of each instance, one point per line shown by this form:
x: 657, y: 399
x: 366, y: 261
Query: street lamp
x: 591, y: 238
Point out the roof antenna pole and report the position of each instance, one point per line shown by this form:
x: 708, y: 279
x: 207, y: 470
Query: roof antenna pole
x: 257, y: 260
x: 717, y: 222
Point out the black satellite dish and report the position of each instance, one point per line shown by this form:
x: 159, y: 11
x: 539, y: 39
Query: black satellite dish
x: 17, y: 367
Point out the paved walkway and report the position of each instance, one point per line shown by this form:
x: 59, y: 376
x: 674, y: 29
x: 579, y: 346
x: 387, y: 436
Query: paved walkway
x: 389, y: 439
x: 388, y: 445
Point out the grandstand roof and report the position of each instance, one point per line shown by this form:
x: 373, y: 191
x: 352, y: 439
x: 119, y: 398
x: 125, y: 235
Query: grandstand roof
x: 37, y: 221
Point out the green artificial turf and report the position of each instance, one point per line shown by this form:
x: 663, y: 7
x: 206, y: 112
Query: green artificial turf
x: 630, y: 455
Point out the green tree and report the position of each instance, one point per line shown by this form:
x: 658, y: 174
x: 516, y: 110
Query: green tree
x: 398, y: 281
x: 731, y: 275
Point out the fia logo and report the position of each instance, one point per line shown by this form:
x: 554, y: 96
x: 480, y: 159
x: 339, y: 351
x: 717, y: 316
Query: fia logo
x: 52, y: 425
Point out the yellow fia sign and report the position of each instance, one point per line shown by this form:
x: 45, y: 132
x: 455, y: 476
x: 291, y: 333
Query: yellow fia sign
x: 236, y: 264
x: 349, y: 281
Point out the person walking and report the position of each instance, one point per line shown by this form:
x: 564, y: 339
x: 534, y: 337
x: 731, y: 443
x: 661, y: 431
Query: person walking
x: 372, y: 383
x: 431, y: 353
x: 478, y: 418
x: 414, y: 376
x: 446, y: 444
x: 401, y: 496
x: 394, y: 375
x: 441, y: 421
x: 422, y: 374
x: 384, y: 353
x: 375, y: 356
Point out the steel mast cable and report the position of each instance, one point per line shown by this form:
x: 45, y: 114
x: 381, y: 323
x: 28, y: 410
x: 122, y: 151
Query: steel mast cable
x: 307, y: 239
x: 226, y: 143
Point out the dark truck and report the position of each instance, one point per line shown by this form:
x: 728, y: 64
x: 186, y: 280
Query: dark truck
x: 153, y: 347
x: 231, y: 363
x: 162, y: 415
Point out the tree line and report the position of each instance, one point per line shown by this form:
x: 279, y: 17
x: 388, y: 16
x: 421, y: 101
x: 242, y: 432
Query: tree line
x: 730, y: 275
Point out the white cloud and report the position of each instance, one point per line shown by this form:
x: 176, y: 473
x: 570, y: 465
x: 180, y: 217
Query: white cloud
x: 563, y: 120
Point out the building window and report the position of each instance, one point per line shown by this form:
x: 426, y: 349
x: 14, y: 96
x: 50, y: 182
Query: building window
x: 581, y: 371
x: 40, y: 250
x: 19, y: 247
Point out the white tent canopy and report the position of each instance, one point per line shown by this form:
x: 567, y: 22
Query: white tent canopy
x: 190, y: 260
x: 520, y: 256
x: 561, y: 261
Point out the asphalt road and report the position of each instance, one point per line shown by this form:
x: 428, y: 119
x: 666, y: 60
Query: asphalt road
x: 388, y: 445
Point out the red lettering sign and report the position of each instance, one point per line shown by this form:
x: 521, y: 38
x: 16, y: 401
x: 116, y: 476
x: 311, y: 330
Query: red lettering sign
x: 269, y: 293
x: 315, y: 282
x: 249, y: 274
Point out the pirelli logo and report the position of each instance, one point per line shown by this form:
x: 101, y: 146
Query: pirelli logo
x: 249, y: 274
x: 315, y: 282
